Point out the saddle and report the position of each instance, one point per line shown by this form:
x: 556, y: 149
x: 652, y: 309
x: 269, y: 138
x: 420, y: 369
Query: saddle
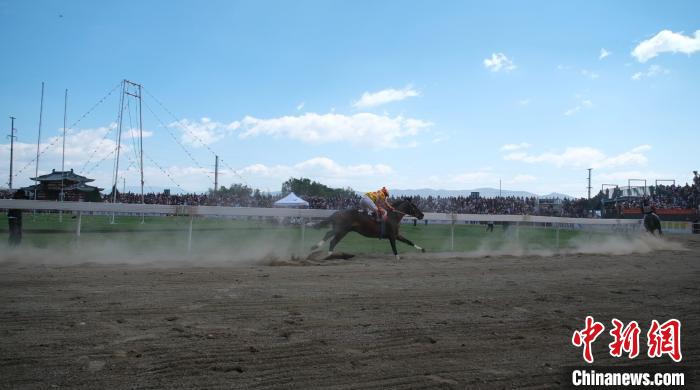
x: 375, y: 219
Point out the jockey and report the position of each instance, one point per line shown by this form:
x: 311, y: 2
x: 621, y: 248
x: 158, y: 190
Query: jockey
x: 376, y: 202
x: 647, y: 207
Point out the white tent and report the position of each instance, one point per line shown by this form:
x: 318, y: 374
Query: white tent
x: 291, y: 200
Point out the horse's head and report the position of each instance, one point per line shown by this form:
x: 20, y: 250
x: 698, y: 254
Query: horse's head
x: 406, y: 206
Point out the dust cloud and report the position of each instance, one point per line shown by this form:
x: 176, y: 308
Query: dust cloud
x: 582, y: 244
x: 206, y: 252
x: 262, y: 250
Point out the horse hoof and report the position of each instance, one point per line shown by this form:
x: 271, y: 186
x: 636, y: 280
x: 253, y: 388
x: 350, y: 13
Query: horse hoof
x: 398, y: 258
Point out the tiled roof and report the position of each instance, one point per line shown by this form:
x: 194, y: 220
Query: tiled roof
x: 62, y: 175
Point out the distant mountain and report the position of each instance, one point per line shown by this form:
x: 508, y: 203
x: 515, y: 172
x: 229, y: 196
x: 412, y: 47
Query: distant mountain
x: 557, y: 195
x: 483, y: 192
x: 423, y: 192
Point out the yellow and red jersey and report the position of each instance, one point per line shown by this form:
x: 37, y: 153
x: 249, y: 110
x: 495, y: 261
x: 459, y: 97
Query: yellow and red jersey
x: 376, y: 196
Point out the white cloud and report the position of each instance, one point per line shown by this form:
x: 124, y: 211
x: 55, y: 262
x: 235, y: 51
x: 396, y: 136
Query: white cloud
x: 498, y: 62
x: 583, y: 72
x: 664, y: 42
x: 523, y: 179
x: 471, y: 177
x: 512, y: 147
x: 589, y: 74
x: 362, y: 129
x: 524, y: 102
x: 96, y: 145
x: 580, y: 157
x: 603, y: 53
x: 620, y: 177
x: 204, y: 132
x: 462, y: 179
x: 654, y: 70
x: 323, y: 169
x: 135, y: 134
x: 582, y: 104
x: 572, y: 111
x: 300, y: 106
x: 440, y: 137
x: 373, y: 99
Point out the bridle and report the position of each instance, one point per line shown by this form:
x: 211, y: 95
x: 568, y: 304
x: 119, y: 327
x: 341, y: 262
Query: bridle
x: 395, y: 210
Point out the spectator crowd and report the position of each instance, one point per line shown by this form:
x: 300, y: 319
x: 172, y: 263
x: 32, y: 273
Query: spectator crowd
x: 660, y: 197
x: 686, y: 197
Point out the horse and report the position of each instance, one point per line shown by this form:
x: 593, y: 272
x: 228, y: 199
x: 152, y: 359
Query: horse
x: 345, y: 221
x: 652, y: 222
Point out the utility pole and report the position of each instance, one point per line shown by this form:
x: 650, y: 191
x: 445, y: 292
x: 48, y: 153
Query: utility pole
x: 12, y: 146
x: 63, y: 150
x: 499, y: 188
x: 216, y: 175
x: 118, y: 141
x: 134, y: 90
x: 140, y: 94
x: 589, y: 183
x: 38, y: 140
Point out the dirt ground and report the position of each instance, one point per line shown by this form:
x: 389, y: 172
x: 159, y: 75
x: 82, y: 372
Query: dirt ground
x: 428, y: 321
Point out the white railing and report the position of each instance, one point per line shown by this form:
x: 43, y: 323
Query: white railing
x: 453, y: 219
x: 210, y: 211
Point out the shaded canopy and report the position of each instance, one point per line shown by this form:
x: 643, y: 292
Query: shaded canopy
x: 291, y: 200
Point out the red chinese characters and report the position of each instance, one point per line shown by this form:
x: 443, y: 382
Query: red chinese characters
x: 665, y: 339
x: 662, y: 339
x: 587, y: 336
x: 625, y: 339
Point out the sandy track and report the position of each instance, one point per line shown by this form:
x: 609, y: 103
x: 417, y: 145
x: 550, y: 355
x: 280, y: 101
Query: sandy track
x: 426, y: 322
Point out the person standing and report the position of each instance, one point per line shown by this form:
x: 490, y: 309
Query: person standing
x: 489, y: 226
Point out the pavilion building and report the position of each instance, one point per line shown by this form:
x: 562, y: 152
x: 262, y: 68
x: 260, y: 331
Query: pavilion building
x: 71, y: 185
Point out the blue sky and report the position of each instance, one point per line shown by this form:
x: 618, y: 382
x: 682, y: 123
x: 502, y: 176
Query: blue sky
x: 448, y: 95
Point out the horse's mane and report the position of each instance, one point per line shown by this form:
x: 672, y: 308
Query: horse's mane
x: 399, y: 202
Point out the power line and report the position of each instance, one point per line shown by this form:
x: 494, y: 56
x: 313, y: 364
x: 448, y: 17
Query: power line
x: 165, y: 173
x: 175, y: 138
x: 56, y: 139
x: 192, y: 134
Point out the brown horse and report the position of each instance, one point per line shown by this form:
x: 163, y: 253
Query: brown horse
x: 652, y: 222
x: 345, y: 221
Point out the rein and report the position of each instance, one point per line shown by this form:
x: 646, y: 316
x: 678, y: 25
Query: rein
x: 395, y: 210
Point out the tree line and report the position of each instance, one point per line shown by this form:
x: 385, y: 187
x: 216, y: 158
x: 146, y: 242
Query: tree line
x: 301, y: 186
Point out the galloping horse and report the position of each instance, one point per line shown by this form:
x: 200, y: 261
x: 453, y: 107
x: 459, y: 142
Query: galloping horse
x: 652, y: 222
x: 345, y: 221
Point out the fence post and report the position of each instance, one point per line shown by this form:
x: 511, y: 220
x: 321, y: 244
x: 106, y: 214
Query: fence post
x: 452, y: 233
x: 80, y: 222
x: 303, y: 233
x: 189, y: 234
x: 557, y: 236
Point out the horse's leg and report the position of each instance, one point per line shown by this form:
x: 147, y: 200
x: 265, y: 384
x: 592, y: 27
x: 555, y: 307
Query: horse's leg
x: 338, y: 236
x: 409, y: 242
x: 328, y: 235
x: 392, y: 240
